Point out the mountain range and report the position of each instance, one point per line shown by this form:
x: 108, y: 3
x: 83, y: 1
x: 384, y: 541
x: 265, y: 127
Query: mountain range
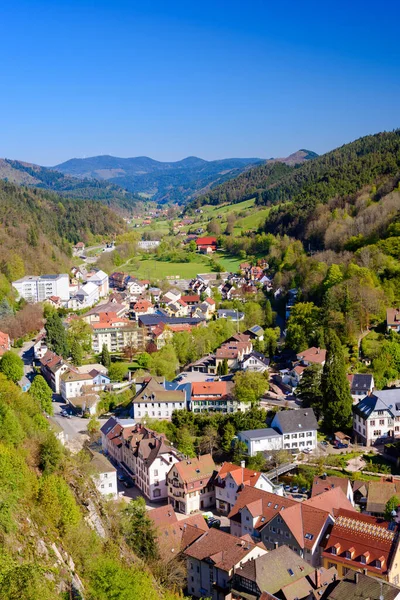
x: 163, y: 182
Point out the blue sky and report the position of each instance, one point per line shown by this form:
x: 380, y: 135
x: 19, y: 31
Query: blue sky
x: 168, y: 79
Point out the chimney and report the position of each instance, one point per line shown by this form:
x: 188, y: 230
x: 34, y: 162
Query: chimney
x: 365, y: 571
x: 317, y: 579
x: 356, y: 577
x: 276, y: 545
x: 324, y: 476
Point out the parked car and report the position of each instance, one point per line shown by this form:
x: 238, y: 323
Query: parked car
x: 304, y: 490
x: 121, y: 477
x: 213, y: 522
x: 208, y: 515
x: 324, y: 443
x: 127, y: 483
x: 307, y: 450
x: 287, y: 488
x: 341, y: 445
x: 210, y: 379
x: 295, y: 489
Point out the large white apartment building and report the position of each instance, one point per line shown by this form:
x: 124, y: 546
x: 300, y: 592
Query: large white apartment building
x: 37, y: 288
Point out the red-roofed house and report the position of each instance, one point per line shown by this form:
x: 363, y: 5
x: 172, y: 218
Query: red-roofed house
x: 142, y: 307
x: 312, y: 356
x: 206, y: 245
x: 358, y: 541
x: 231, y: 479
x: 215, y: 396
x: 191, y: 484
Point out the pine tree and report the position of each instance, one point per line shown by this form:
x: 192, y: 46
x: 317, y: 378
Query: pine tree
x: 56, y: 335
x: 229, y: 434
x: 105, y: 357
x: 224, y: 367
x: 337, y: 400
x: 309, y: 389
x: 269, y: 315
x: 76, y: 353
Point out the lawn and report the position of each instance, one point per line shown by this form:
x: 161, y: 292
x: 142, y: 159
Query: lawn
x: 229, y: 263
x: 213, y: 211
x: 154, y: 269
x: 253, y: 221
x: 371, y: 344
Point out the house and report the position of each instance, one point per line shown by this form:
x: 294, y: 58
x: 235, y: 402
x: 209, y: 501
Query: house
x: 105, y: 477
x: 33, y: 288
x: 86, y: 403
x: 379, y: 492
x: 57, y: 430
x: 84, y: 296
x: 206, y: 245
x: 232, y: 315
x: 293, y: 376
x: 5, y: 344
x: 154, y: 401
x: 118, y: 280
x: 143, y: 454
x: 256, y: 333
x: 361, y: 385
x: 52, y: 367
x: 175, y: 537
x: 74, y: 384
x: 147, y: 245
x: 255, y: 361
x: 233, y: 353
x: 191, y: 484
x: 212, y: 559
x: 312, y: 356
x: 115, y: 309
x: 261, y: 440
x: 323, y: 483
x: 155, y: 293
x: 377, y: 417
x: 191, y: 299
x: 40, y: 346
x: 153, y: 459
x: 231, y: 479
x: 134, y: 287
x: 214, y: 396
x: 331, y: 500
x: 54, y: 301
x: 298, y: 427
x: 392, y: 319
x: 357, y: 541
x: 78, y: 249
x: 301, y: 527
x: 253, y: 509
x: 100, y: 279
x: 360, y: 492
x: 142, y: 307
x: 280, y: 574
x: 356, y: 585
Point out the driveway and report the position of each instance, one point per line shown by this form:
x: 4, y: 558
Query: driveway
x: 26, y: 353
x: 75, y: 428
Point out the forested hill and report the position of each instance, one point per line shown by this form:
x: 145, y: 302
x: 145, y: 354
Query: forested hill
x: 340, y: 195
x: 86, y: 189
x: 38, y: 227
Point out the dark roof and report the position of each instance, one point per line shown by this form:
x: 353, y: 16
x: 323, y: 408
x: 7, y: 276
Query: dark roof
x: 379, y: 400
x: 155, y: 319
x: 260, y: 434
x: 296, y: 420
x: 355, y: 586
x: 259, y: 357
x: 361, y: 382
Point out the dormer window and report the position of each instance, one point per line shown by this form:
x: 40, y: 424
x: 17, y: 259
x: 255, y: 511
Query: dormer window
x: 378, y: 564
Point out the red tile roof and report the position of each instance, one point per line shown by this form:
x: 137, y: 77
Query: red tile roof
x: 211, y: 388
x: 240, y: 475
x: 206, y: 241
x: 313, y: 355
x: 260, y: 504
x: 331, y: 500
x: 191, y: 298
x: 195, y: 469
x: 163, y: 515
x: 361, y: 536
x: 222, y: 549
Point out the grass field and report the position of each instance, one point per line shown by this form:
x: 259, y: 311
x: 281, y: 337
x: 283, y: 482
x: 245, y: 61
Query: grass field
x: 253, y: 221
x: 229, y: 263
x: 213, y: 211
x: 153, y: 269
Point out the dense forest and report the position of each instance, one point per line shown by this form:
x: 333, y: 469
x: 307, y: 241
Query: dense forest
x: 108, y: 193
x: 37, y: 229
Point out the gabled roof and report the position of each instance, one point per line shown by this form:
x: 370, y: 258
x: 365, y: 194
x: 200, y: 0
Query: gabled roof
x: 362, y: 536
x: 240, y: 475
x: 206, y: 241
x: 393, y: 316
x: 153, y: 391
x: 379, y: 492
x: 163, y: 515
x: 275, y: 570
x: 211, y: 388
x: 361, y: 382
x: 260, y: 434
x: 263, y: 505
x: 223, y: 550
x: 305, y: 523
x: 355, y: 586
x: 296, y: 420
x: 313, y: 355
x: 323, y: 483
x: 388, y: 400
x: 194, y: 469
x: 332, y: 501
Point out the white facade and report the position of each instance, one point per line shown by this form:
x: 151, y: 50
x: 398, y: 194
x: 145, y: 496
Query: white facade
x: 38, y: 288
x: 226, y: 495
x: 148, y: 244
x: 297, y: 428
x: 156, y: 410
x: 73, y: 385
x: 105, y: 477
x: 152, y: 480
x: 100, y: 279
x: 261, y: 440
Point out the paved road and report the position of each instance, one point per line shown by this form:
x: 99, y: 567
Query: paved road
x: 26, y: 353
x: 74, y: 428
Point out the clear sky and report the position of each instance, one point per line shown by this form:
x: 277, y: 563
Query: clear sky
x: 168, y: 79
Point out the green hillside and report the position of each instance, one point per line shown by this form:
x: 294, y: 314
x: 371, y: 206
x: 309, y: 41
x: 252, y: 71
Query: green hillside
x: 85, y: 189
x: 38, y: 228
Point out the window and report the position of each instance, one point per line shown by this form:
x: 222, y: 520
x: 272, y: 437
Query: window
x: 155, y: 472
x: 110, y: 485
x: 377, y: 432
x: 372, y: 423
x: 309, y: 536
x: 381, y: 421
x: 378, y: 564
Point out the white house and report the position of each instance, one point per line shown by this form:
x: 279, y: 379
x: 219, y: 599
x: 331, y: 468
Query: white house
x: 35, y: 288
x: 100, y: 279
x: 85, y: 296
x: 231, y: 479
x: 134, y: 287
x: 377, y: 417
x: 261, y: 440
x: 148, y: 244
x: 105, y: 477
x: 73, y: 384
x: 154, y: 401
x: 298, y: 427
x: 361, y: 384
x: 255, y: 361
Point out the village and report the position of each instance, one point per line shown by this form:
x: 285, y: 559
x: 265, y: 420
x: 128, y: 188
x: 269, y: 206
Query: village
x: 267, y: 515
